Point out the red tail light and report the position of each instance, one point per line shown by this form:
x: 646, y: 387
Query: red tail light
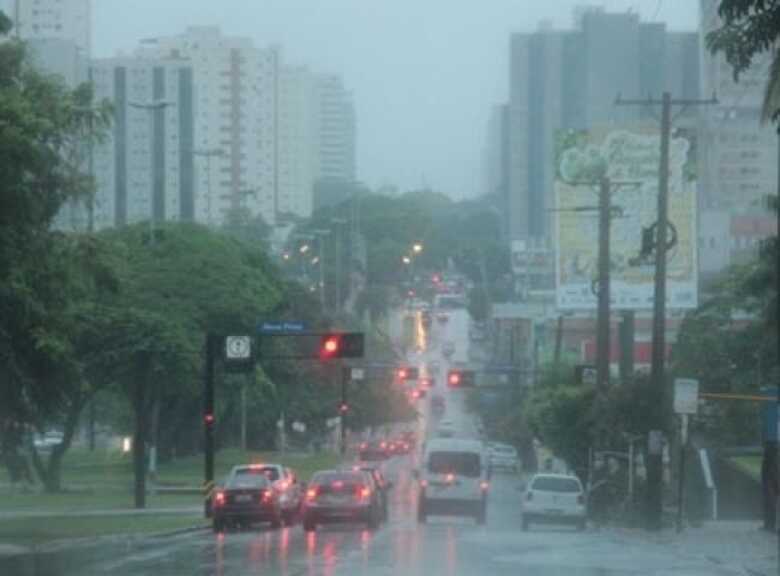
x: 219, y: 498
x: 449, y: 478
x: 529, y: 496
x: 364, y: 492
x: 283, y: 485
x: 484, y: 485
x: 311, y: 494
x: 267, y: 497
x: 338, y: 485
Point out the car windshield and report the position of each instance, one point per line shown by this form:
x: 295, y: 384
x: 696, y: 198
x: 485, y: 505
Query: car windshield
x: 556, y: 484
x: 460, y: 463
x: 468, y: 242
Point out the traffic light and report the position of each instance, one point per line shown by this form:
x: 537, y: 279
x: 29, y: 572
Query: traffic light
x: 341, y: 345
x: 208, y: 419
x: 407, y: 373
x: 343, y: 408
x: 461, y: 379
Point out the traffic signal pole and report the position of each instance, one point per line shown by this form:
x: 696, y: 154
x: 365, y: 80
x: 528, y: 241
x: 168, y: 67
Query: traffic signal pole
x: 208, y: 418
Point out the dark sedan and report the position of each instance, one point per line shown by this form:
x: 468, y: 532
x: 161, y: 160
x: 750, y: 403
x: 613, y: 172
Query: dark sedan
x: 246, y: 499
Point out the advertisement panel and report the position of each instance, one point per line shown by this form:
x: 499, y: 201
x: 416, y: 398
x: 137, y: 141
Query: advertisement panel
x: 630, y: 160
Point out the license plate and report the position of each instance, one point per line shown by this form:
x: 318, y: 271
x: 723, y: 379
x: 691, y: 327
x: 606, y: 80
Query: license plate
x: 244, y: 498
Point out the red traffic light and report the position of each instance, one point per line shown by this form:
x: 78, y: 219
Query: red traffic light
x: 330, y: 346
x: 341, y: 345
x: 208, y: 419
x: 453, y: 379
x: 343, y: 408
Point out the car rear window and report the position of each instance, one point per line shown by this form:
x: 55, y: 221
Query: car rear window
x: 554, y: 484
x: 269, y: 472
x: 340, y: 481
x: 460, y: 463
x: 248, y: 481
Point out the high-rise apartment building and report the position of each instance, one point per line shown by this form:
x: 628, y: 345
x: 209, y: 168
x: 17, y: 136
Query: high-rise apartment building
x: 738, y: 156
x: 337, y: 130
x: 145, y: 167
x: 298, y: 140
x: 58, y: 32
x: 235, y: 124
x: 569, y: 79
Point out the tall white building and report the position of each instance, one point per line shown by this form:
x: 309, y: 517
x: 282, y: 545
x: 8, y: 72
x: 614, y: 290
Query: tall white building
x: 58, y: 32
x: 337, y: 130
x: 145, y: 167
x: 235, y: 124
x: 738, y: 156
x: 298, y: 140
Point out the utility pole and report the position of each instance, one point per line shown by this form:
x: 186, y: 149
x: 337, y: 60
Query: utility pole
x: 208, y: 417
x: 602, y: 330
x: 654, y: 492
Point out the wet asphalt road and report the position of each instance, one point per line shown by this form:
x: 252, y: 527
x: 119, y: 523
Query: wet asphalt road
x: 446, y: 546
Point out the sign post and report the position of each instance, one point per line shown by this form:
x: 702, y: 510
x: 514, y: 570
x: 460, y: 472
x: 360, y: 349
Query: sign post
x: 686, y: 403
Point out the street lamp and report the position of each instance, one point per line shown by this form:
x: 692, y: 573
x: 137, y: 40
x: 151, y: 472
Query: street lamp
x: 315, y: 260
x: 406, y: 260
x: 417, y: 248
x: 208, y: 153
x: 152, y: 107
x: 303, y: 249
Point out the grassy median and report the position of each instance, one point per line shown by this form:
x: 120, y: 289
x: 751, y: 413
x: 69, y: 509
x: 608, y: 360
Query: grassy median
x: 104, y: 480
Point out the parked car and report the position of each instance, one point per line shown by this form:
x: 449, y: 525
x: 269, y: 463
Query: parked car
x: 503, y: 457
x: 245, y: 498
x: 454, y: 479
x: 288, y: 489
x: 341, y: 496
x: 556, y: 499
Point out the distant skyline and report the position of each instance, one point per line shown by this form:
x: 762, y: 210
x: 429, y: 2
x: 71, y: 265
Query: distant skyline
x: 424, y: 73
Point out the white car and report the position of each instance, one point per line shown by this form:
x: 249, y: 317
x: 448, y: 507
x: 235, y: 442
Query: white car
x: 503, y: 457
x: 454, y: 480
x: 554, y: 499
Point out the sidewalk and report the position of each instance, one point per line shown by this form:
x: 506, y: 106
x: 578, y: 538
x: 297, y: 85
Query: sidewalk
x: 739, y: 545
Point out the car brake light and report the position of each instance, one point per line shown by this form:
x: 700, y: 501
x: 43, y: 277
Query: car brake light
x: 311, y: 494
x: 383, y: 445
x: 219, y: 498
x: 449, y: 478
x: 364, y: 493
x: 283, y: 485
x: 529, y: 496
x: 338, y: 485
x: 484, y: 485
x: 267, y: 496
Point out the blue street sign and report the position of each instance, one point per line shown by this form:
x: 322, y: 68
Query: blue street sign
x: 280, y: 327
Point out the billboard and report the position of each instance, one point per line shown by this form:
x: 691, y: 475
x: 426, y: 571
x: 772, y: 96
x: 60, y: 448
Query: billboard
x: 625, y: 156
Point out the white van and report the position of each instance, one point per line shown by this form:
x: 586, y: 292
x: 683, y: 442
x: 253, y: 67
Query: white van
x: 453, y: 480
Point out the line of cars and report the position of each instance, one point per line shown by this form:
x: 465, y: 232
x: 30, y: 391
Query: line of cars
x: 273, y: 494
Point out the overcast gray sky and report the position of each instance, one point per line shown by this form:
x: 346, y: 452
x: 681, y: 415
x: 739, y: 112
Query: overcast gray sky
x: 424, y: 72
